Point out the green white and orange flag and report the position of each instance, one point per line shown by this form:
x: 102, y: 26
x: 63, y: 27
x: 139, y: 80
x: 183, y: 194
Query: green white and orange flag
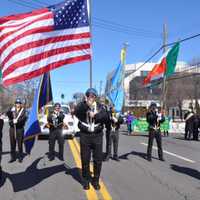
x: 165, y: 66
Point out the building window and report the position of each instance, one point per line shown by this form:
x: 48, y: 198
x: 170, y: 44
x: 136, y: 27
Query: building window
x: 144, y: 73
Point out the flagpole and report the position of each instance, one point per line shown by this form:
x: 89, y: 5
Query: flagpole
x: 123, y: 67
x: 90, y: 20
x: 124, y: 61
x: 164, y: 86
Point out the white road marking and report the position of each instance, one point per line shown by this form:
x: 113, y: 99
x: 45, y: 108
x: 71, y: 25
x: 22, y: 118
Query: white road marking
x: 172, y: 154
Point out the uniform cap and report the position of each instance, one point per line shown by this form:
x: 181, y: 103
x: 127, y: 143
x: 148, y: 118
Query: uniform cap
x: 91, y: 91
x: 153, y: 104
x: 57, y: 105
x: 18, y: 101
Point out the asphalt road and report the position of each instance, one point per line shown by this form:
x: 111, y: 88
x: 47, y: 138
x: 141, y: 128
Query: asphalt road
x: 133, y: 178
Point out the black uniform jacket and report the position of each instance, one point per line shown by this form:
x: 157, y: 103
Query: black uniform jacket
x: 152, y: 119
x: 21, y: 119
x: 1, y: 125
x: 100, y: 118
x: 59, y: 120
x: 118, y: 123
x: 1, y: 129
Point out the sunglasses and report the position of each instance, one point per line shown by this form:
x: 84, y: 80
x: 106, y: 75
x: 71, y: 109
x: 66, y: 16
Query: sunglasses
x: 91, y: 96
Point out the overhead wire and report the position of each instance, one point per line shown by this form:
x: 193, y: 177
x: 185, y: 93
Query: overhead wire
x: 101, y: 23
x: 127, y: 27
x: 40, y: 2
x: 124, y: 31
x: 167, y: 45
x: 176, y: 76
x: 22, y: 3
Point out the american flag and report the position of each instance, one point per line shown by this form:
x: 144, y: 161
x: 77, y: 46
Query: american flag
x: 44, y: 39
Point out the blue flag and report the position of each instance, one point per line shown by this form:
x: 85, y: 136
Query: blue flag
x: 43, y: 95
x: 116, y: 94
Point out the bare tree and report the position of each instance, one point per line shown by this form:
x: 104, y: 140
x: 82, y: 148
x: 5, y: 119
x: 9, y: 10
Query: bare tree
x: 78, y: 96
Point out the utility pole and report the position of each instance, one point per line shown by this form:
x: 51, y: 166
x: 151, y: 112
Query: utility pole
x: 165, y: 35
x: 164, y: 87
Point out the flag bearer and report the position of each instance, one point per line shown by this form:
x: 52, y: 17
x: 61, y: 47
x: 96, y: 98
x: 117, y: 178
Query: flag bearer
x: 154, y: 119
x: 105, y: 105
x: 116, y: 121
x: 17, y: 119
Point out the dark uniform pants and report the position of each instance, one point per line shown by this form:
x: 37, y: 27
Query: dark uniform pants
x: 0, y: 153
x: 115, y: 142
x: 91, y: 144
x: 129, y: 128
x: 195, y: 133
x: 16, y: 136
x: 155, y: 134
x: 188, y: 130
x: 108, y: 143
x: 53, y: 135
x: 0, y: 147
x: 1, y: 128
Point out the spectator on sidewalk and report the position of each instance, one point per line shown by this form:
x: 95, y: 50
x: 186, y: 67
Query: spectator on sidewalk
x: 129, y: 120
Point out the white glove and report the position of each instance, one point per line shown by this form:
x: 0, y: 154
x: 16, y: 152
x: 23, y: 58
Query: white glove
x: 159, y: 116
x: 14, y: 121
x: 114, y: 119
x: 13, y: 109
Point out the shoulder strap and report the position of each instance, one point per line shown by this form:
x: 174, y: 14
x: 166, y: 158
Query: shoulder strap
x: 20, y: 112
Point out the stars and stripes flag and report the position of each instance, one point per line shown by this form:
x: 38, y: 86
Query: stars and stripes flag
x: 44, y: 39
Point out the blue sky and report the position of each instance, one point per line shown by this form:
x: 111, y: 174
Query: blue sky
x: 145, y: 19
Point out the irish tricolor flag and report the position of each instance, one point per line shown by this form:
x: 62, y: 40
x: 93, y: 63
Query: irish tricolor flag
x: 165, y: 66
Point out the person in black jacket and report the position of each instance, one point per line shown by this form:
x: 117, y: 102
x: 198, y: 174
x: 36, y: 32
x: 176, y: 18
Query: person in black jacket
x: 1, y: 129
x: 56, y: 125
x: 196, y: 123
x: 116, y: 121
x: 107, y: 129
x: 154, y: 119
x: 189, y: 119
x: 17, y: 119
x: 92, y: 117
x: 108, y: 141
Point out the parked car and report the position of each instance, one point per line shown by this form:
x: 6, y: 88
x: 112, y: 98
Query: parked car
x: 70, y: 120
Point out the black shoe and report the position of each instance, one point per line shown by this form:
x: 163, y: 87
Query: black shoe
x: 13, y: 159
x: 51, y: 158
x: 149, y: 159
x: 1, y: 173
x: 107, y: 158
x: 20, y: 160
x: 96, y: 185
x: 61, y: 158
x: 116, y: 158
x: 162, y: 159
x: 86, y: 186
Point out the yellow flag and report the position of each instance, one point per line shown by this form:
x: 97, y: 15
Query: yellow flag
x: 123, y: 56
